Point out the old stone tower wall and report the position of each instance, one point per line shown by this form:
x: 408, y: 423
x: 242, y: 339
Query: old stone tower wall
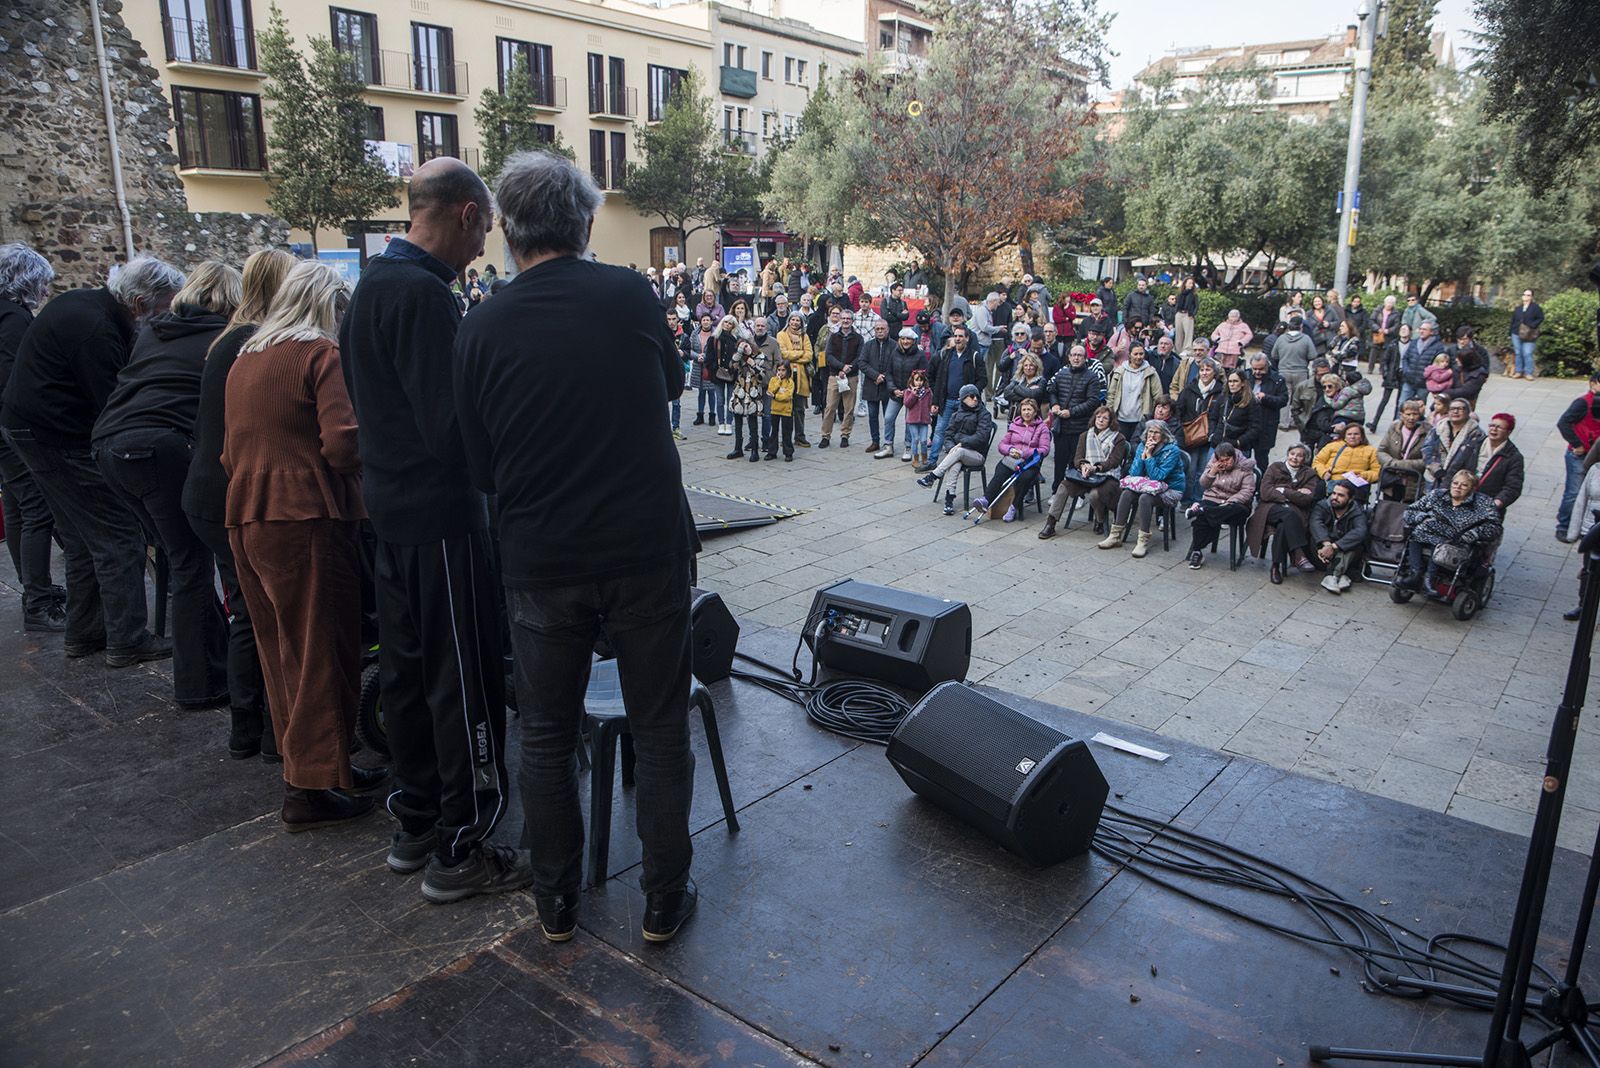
x: 56, y: 189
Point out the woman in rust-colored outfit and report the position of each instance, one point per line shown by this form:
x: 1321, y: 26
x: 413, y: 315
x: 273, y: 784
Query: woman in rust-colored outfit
x: 294, y: 502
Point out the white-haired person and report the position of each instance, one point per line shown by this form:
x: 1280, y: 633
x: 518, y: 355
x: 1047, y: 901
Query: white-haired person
x: 24, y: 283
x: 293, y: 513
x: 144, y: 440
x: 65, y: 369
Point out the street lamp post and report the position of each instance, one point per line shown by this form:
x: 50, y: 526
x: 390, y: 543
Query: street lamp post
x: 1349, y: 213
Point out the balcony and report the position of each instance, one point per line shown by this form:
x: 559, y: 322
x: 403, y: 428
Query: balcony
x: 209, y: 44
x: 737, y: 82
x: 613, y: 102
x: 399, y: 72
x: 740, y: 141
x: 906, y: 62
x: 470, y: 156
x: 551, y: 95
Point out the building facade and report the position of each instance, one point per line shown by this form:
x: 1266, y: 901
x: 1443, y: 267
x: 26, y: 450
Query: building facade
x: 767, y: 69
x: 598, y: 70
x: 1303, y: 77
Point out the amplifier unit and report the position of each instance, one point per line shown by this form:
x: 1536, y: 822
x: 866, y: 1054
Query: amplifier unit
x: 1023, y: 783
x: 906, y: 639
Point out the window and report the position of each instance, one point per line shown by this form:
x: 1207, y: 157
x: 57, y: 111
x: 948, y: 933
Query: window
x: 433, y: 60
x: 766, y: 65
x: 788, y: 69
x: 437, y: 135
x: 217, y: 129
x: 769, y: 123
x: 545, y: 132
x: 374, y: 128
x: 733, y: 55
x: 619, y: 158
x: 209, y: 31
x: 885, y: 38
x: 800, y: 71
x: 540, y: 67
x: 663, y: 83
x: 597, y: 156
x: 355, y: 36
x: 791, y: 125
x: 608, y: 86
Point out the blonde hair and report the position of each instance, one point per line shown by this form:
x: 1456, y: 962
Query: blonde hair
x: 263, y: 275
x: 214, y: 286
x: 305, y: 308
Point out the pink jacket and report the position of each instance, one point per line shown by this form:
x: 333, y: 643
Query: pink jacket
x: 1231, y: 338
x: 1030, y: 439
x: 1439, y: 379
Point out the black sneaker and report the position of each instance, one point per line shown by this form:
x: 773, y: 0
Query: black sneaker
x: 734, y: 455
x: 1572, y: 615
x: 77, y: 650
x: 699, y: 420
x: 558, y: 915
x: 1196, y: 561
x: 410, y: 853
x: 844, y: 442
x: 201, y: 704
x: 50, y: 619
x: 489, y: 870
x: 949, y: 504
x: 305, y: 810
x: 667, y: 910
x: 823, y: 444
x: 153, y: 649
x: 926, y: 481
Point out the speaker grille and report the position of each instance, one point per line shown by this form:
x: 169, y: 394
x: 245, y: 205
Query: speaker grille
x: 979, y: 749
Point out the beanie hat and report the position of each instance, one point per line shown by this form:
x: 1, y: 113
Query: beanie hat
x: 907, y: 332
x: 969, y: 391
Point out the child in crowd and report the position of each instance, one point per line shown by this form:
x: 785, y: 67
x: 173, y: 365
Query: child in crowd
x: 918, y: 412
x: 1440, y: 412
x: 1439, y: 376
x: 780, y: 387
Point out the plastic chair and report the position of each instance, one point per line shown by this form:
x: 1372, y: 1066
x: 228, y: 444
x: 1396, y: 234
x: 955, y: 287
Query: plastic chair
x: 1236, y: 543
x: 982, y: 471
x: 607, y: 724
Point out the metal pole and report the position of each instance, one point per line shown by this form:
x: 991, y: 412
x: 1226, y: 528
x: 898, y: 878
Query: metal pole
x: 1352, y: 155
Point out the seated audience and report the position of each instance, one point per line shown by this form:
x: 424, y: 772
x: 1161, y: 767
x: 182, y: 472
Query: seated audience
x: 1289, y: 489
x: 1228, y: 484
x: 1102, y: 451
x: 1155, y: 478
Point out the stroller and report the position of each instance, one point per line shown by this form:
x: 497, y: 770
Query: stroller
x: 1459, y: 574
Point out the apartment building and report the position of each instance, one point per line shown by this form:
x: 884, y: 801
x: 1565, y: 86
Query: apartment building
x: 767, y: 71
x: 597, y: 69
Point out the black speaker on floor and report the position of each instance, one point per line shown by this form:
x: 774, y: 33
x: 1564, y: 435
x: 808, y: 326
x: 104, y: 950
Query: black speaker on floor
x: 1023, y: 783
x: 907, y: 639
x: 714, y: 634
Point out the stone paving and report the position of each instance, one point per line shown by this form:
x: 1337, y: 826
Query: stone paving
x: 1402, y: 701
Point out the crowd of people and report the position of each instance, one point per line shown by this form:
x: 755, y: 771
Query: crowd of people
x: 394, y: 459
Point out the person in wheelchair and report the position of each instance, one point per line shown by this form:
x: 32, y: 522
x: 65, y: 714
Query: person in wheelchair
x: 1457, y: 515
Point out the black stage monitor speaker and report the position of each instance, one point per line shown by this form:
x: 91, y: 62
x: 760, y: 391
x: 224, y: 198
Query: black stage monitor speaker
x: 907, y: 639
x: 1021, y: 782
x: 714, y: 634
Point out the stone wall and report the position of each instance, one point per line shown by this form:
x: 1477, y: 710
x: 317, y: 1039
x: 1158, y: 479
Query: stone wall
x: 869, y: 262
x: 56, y: 191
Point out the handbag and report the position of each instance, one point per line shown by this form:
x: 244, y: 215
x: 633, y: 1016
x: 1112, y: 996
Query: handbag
x: 1379, y: 337
x: 1527, y: 333
x: 1099, y: 478
x: 1197, y: 432
x: 1140, y: 484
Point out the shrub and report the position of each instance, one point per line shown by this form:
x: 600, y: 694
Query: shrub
x: 1491, y: 326
x: 1566, y: 341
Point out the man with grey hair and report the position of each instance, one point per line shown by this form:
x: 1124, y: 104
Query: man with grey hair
x: 598, y: 538
x: 440, y: 668
x: 24, y: 280
x: 65, y: 370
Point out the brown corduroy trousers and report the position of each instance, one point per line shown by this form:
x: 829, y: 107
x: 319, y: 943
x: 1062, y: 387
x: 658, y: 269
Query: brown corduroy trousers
x: 301, y: 581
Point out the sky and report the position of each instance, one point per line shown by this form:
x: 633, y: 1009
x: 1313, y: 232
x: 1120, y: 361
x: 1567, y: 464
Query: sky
x: 1145, y: 31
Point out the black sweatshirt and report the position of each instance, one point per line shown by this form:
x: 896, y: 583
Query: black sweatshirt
x: 67, y: 366
x: 395, y: 343
x: 205, y: 491
x: 14, y: 322
x: 160, y: 387
x: 564, y: 416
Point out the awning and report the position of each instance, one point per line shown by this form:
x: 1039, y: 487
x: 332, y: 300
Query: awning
x: 908, y: 21
x: 735, y: 235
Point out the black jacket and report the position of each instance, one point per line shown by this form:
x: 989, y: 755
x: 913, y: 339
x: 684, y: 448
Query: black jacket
x: 895, y: 313
x: 971, y: 374
x: 844, y: 350
x: 14, y: 322
x: 1348, y: 531
x: 1078, y: 390
x: 205, y: 491
x: 582, y: 502
x: 1189, y: 301
x: 1472, y: 371
x: 67, y: 366
x: 1268, y: 407
x: 395, y: 344
x: 900, y: 365
x: 1238, y: 424
x: 971, y: 428
x: 874, y: 361
x: 1501, y: 478
x: 160, y: 387
x: 1141, y: 306
x: 1532, y: 316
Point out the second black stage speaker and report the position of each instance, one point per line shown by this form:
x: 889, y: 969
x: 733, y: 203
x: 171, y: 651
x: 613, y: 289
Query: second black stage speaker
x: 714, y: 635
x: 907, y: 639
x: 1023, y: 783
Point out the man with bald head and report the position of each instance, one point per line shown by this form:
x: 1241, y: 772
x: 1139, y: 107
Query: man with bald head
x: 442, y: 681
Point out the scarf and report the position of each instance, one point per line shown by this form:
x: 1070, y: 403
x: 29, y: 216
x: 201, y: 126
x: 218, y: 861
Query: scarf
x: 1486, y: 454
x: 1097, y: 445
x: 1453, y: 440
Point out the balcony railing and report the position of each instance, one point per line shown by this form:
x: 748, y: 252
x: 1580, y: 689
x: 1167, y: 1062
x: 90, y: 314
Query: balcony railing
x: 742, y: 141
x: 470, y: 156
x: 400, y: 70
x: 613, y: 101
x: 551, y: 95
x: 199, y: 41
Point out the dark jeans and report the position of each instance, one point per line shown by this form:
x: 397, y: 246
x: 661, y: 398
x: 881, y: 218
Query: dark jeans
x: 646, y: 619
x: 442, y: 677
x: 746, y: 424
x: 246, y: 690
x: 29, y: 529
x: 875, y: 415
x: 1210, y: 519
x: 101, y: 541
x: 147, y: 467
x: 1062, y: 450
x: 1292, y: 533
x: 1003, y: 474
x: 782, y: 430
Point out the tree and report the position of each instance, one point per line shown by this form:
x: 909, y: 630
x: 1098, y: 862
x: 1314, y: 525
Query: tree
x: 1402, y: 60
x: 811, y: 185
x: 321, y: 171
x: 1219, y: 176
x: 1540, y: 64
x: 509, y: 123
x: 689, y: 175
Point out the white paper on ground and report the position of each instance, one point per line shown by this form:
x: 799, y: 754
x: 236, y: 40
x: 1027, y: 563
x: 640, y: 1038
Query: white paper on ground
x: 1126, y: 746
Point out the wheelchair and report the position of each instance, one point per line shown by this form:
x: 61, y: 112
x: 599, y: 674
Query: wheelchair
x: 1458, y: 574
